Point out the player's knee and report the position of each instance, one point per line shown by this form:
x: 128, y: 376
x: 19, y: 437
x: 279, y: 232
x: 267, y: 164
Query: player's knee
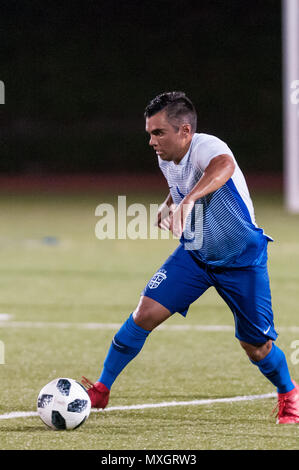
x: 142, y: 315
x: 149, y: 313
x: 257, y: 352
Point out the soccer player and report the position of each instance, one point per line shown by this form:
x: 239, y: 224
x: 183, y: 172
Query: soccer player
x: 210, y: 209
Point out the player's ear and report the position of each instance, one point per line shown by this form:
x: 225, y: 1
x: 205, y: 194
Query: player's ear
x: 186, y: 129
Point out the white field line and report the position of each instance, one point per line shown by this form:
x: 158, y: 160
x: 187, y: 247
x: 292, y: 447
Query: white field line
x: 106, y: 326
x: 211, y: 401
x: 5, y: 316
x: 6, y: 323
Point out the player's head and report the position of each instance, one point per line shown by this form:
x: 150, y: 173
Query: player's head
x: 171, y: 121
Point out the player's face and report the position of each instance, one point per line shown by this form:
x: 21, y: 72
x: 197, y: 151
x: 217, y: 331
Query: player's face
x: 168, y: 142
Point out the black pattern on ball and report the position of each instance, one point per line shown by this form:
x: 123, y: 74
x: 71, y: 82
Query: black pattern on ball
x: 57, y: 420
x: 64, y: 386
x: 77, y: 406
x: 44, y: 400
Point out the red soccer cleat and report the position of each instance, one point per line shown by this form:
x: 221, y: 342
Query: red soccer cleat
x: 288, y: 406
x: 98, y: 393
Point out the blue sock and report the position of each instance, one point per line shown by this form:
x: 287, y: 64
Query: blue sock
x: 126, y: 344
x: 274, y: 367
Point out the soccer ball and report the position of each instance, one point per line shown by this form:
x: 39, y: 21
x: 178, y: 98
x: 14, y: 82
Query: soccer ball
x: 63, y: 404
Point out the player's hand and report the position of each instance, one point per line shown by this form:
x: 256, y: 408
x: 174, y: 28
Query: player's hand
x: 179, y: 216
x: 164, y: 216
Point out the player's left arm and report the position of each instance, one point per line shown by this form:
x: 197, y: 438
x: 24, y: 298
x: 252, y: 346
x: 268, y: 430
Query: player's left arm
x: 217, y: 173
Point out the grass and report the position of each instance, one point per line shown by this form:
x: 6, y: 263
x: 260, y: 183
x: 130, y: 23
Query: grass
x: 54, y: 269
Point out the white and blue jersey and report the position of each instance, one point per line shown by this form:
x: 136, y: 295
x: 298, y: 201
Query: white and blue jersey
x: 226, y: 250
x: 221, y: 230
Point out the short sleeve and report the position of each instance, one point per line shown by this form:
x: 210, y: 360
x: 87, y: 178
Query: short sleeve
x: 206, y: 148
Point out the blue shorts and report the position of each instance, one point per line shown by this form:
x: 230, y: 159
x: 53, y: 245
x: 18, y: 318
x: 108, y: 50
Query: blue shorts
x: 182, y: 279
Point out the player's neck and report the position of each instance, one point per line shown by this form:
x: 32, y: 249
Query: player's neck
x: 182, y: 153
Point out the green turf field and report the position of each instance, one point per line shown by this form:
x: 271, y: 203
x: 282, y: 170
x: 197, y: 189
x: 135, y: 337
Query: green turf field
x: 51, y: 285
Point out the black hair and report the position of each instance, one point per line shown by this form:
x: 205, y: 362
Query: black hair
x: 179, y: 108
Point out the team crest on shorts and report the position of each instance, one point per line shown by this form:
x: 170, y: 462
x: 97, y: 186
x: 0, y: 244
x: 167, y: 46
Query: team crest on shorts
x: 157, y: 279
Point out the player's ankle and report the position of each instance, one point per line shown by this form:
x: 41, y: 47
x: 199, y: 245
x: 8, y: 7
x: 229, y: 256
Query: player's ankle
x: 101, y: 387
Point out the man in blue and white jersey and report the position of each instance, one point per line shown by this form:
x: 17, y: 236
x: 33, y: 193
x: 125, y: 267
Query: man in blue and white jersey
x: 209, y: 208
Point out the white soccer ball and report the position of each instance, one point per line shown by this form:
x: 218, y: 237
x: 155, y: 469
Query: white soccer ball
x: 63, y: 404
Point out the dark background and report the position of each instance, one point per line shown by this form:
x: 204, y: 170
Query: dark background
x: 78, y: 76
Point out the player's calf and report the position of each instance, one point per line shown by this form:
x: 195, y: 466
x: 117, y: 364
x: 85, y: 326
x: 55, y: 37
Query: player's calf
x: 271, y: 361
x: 126, y: 344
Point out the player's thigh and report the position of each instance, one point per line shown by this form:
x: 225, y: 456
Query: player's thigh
x: 247, y: 293
x: 177, y: 283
